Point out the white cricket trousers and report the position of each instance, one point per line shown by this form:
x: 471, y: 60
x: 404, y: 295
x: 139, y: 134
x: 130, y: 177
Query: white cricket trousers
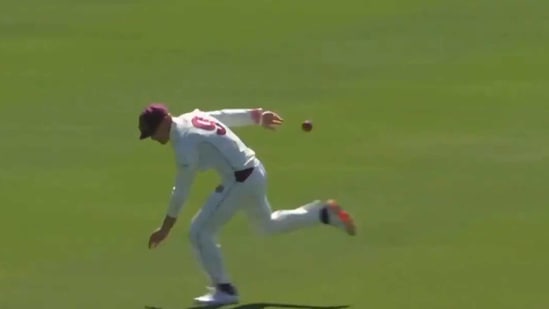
x: 251, y: 197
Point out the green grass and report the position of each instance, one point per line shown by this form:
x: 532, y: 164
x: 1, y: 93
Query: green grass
x: 431, y: 126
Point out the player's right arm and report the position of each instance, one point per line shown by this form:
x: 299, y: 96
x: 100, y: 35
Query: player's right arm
x: 186, y: 170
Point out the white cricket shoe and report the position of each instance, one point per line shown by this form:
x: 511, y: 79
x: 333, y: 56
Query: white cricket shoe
x: 339, y: 218
x: 216, y: 298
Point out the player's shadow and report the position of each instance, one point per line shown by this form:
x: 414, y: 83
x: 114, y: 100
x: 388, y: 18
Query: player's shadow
x: 273, y: 306
x: 291, y: 306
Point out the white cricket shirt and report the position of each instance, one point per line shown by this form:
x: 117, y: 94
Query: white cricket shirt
x: 203, y: 140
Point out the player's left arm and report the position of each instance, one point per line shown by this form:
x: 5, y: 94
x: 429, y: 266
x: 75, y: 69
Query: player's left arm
x: 237, y: 117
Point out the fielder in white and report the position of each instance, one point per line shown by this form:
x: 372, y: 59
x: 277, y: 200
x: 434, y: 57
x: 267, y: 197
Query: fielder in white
x: 203, y: 140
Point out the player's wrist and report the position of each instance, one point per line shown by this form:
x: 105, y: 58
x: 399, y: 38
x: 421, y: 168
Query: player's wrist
x: 167, y: 224
x: 256, y: 115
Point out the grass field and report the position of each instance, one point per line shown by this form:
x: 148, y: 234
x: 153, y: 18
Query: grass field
x: 431, y: 127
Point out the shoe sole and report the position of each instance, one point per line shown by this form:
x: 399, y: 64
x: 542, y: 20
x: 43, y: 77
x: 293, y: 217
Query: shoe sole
x: 343, y: 216
x: 213, y: 303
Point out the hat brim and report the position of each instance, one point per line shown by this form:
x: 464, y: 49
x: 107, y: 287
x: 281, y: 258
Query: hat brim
x: 144, y: 135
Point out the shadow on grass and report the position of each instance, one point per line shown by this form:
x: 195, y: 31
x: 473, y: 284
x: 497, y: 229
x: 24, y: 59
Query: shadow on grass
x: 270, y: 305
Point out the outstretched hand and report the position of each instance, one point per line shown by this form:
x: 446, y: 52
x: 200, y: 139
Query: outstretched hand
x: 270, y: 120
x: 157, y: 237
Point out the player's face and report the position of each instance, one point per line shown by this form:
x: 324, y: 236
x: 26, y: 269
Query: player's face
x: 159, y: 139
x: 162, y: 133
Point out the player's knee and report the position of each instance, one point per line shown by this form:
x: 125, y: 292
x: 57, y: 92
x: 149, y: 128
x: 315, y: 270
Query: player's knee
x: 198, y: 235
x: 194, y: 235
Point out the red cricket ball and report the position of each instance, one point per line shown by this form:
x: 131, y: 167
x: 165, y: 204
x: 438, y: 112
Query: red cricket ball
x: 307, y: 125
